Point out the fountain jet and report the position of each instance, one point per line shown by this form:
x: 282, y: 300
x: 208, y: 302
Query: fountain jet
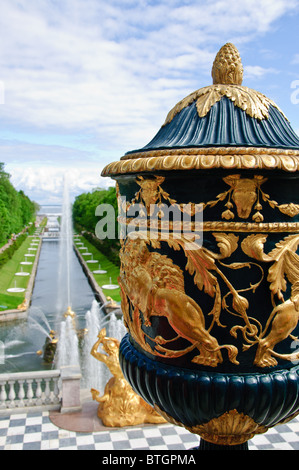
x: 66, y: 243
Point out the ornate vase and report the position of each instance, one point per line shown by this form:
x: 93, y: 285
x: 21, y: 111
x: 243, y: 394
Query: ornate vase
x: 209, y: 271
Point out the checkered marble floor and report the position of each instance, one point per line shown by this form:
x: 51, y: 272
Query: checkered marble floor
x: 35, y: 431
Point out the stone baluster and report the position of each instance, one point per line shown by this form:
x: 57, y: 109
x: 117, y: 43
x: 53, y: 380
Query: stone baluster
x: 29, y: 392
x: 21, y: 394
x: 38, y: 392
x: 56, y: 391
x: 12, y: 393
x: 3, y: 395
x: 47, y: 393
x: 31, y: 389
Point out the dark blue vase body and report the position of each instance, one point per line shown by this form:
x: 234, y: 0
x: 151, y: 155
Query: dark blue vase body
x: 209, y: 216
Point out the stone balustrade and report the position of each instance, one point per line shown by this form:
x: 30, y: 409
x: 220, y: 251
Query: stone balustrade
x: 40, y: 391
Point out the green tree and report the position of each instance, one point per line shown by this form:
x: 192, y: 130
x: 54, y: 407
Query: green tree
x: 84, y: 216
x: 85, y: 205
x: 16, y: 209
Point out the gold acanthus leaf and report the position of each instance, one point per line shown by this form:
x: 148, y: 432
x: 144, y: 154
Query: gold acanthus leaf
x: 227, y: 244
x: 291, y: 265
x: 283, y: 264
x: 283, y: 256
x: 201, y: 263
x: 254, y: 103
x: 253, y: 246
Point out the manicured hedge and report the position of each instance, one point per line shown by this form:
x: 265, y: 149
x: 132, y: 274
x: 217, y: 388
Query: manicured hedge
x: 104, y: 246
x: 8, y: 253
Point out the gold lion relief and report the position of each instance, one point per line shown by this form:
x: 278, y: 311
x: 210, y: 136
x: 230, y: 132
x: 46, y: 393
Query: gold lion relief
x: 153, y: 285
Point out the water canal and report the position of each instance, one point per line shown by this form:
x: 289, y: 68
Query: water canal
x: 60, y: 282
x: 22, y: 339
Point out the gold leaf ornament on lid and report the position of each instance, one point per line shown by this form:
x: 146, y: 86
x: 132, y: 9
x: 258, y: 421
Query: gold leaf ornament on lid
x: 227, y: 74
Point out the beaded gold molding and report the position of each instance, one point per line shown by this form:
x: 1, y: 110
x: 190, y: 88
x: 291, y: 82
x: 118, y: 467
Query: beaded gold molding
x: 215, y: 226
x: 239, y: 158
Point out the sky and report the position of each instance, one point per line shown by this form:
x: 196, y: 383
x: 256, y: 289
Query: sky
x: 82, y: 82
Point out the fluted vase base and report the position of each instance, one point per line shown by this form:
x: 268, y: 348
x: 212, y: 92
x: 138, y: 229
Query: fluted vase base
x: 204, y: 445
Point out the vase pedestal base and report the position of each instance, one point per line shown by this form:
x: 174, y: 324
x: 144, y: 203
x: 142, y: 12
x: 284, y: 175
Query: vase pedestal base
x: 204, y: 445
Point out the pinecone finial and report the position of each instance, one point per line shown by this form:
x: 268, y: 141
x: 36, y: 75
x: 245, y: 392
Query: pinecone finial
x: 227, y: 67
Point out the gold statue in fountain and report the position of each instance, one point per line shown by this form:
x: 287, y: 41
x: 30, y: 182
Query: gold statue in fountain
x: 70, y: 313
x: 112, y: 303
x: 49, y: 348
x: 52, y: 340
x: 120, y: 405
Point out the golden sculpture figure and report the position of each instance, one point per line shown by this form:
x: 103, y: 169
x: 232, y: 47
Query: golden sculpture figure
x: 69, y: 313
x: 155, y: 286
x: 150, y: 190
x: 120, y: 405
x: 23, y: 306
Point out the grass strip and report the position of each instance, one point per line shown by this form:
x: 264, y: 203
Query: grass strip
x: 8, y: 278
x: 102, y: 263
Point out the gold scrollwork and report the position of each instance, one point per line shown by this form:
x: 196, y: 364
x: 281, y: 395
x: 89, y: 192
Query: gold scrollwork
x: 285, y: 315
x: 152, y: 285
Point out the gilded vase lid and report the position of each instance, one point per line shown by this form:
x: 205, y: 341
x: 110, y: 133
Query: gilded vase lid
x: 223, y: 124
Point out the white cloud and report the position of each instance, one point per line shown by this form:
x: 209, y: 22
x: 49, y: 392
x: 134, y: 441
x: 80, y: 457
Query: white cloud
x: 109, y: 71
x: 93, y: 64
x: 45, y: 184
x: 256, y: 71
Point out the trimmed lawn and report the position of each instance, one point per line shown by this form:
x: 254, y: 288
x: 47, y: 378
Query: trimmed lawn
x: 8, y: 278
x: 106, y: 265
